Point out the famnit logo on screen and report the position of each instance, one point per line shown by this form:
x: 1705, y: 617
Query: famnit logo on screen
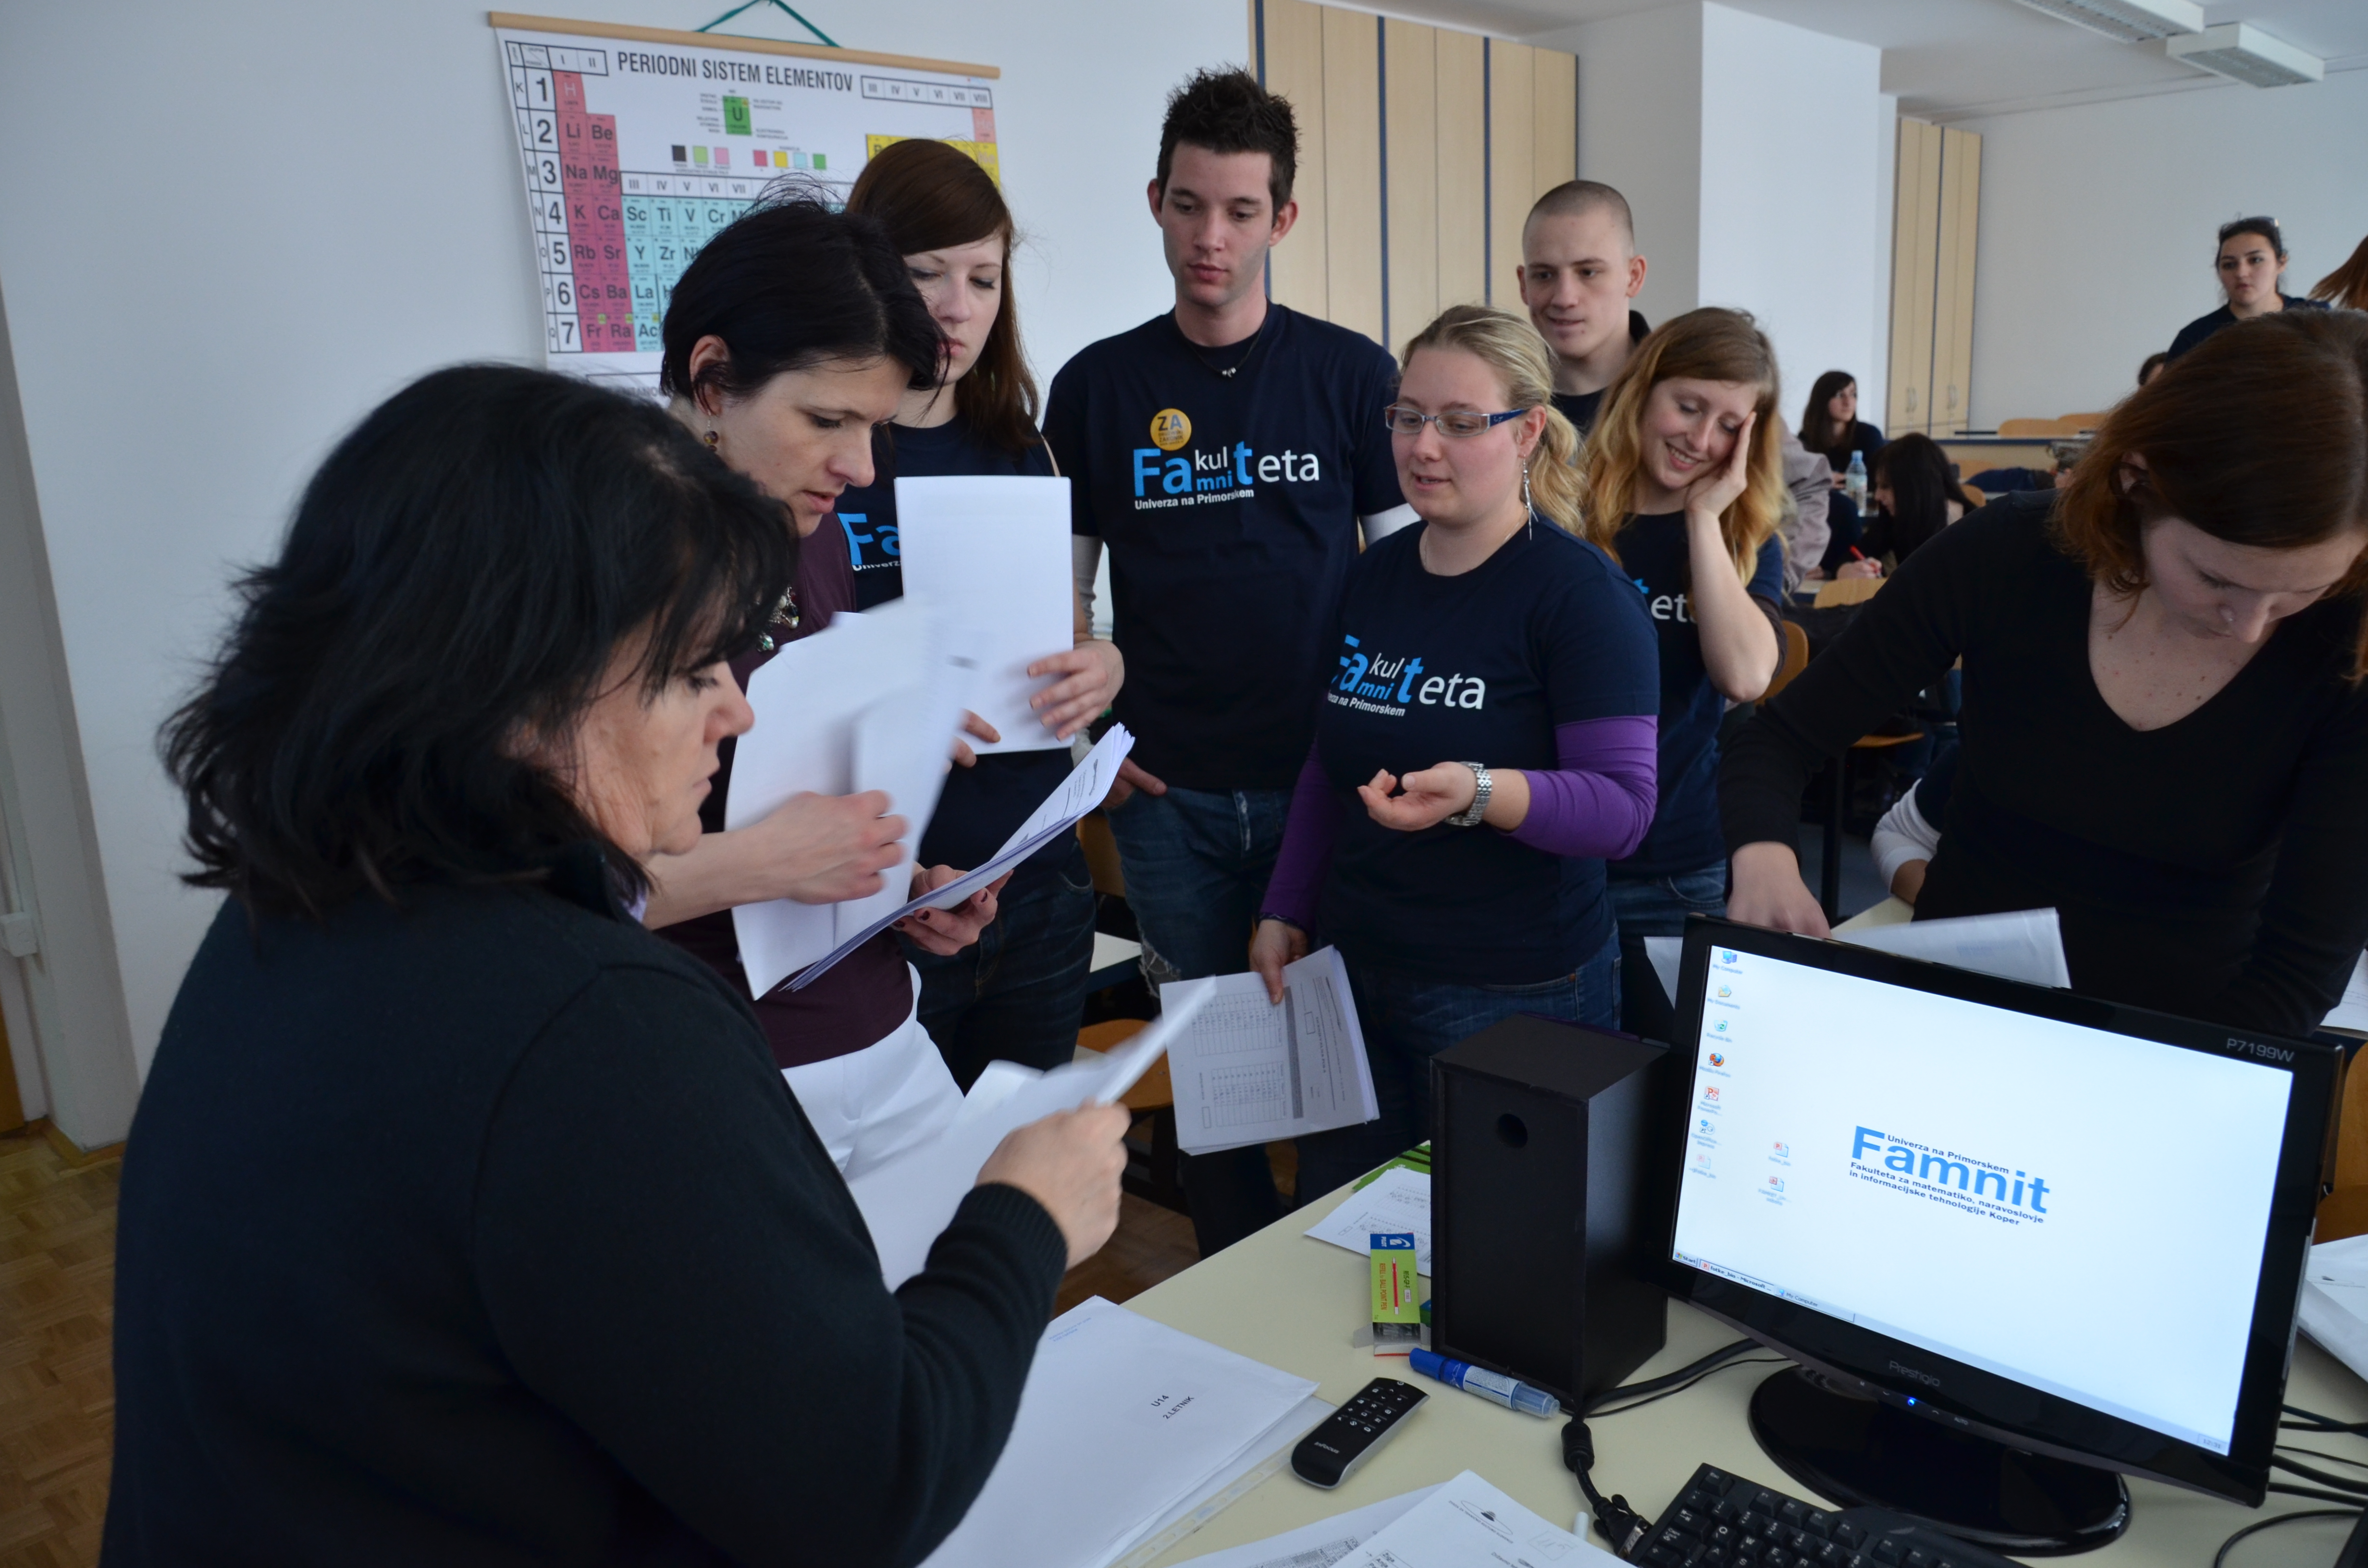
x: 1944, y: 1176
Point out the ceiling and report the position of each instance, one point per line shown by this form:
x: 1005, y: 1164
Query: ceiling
x: 1957, y: 59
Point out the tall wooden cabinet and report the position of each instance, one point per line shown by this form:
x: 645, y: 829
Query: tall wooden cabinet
x: 1420, y: 151
x: 1936, y: 214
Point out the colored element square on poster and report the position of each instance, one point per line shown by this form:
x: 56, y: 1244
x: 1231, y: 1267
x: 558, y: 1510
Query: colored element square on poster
x: 680, y: 156
x: 736, y: 117
x: 983, y: 154
x: 699, y: 156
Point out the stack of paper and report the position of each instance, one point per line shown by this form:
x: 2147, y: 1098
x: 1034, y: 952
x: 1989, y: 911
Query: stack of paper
x: 872, y: 702
x: 2351, y: 1014
x: 995, y: 550
x: 908, y: 1201
x: 2335, y: 1300
x: 1396, y: 1201
x: 1079, y: 793
x: 1251, y: 1071
x: 1318, y: 1545
x: 2026, y: 945
x: 1124, y: 1428
x: 1463, y: 1523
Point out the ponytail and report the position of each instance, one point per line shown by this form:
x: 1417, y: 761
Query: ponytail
x: 1509, y: 346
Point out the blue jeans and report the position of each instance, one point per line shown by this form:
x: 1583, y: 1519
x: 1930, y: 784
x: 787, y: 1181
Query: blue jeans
x: 1197, y: 863
x: 1408, y: 1020
x: 1016, y: 993
x: 1658, y: 906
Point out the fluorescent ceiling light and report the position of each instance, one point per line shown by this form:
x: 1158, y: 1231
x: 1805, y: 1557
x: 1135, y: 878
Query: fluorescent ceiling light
x: 2130, y: 21
x: 2245, y: 51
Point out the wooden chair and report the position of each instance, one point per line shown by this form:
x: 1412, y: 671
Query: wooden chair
x: 1151, y: 1168
x: 1101, y: 854
x: 1796, y: 659
x: 1847, y: 591
x: 2009, y: 429
x: 2344, y: 1211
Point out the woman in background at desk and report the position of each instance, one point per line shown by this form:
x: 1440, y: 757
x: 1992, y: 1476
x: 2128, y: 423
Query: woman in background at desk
x: 1017, y: 994
x: 2250, y: 264
x: 1830, y: 424
x: 1681, y: 483
x: 2164, y: 723
x: 1915, y: 499
x: 1488, y: 743
x: 463, y: 1220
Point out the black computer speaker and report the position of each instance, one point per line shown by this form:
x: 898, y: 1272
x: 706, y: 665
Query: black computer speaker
x: 1553, y: 1160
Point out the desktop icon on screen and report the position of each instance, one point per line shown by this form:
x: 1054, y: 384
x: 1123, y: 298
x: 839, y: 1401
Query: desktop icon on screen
x: 1716, y: 1060
x: 1727, y: 990
x: 1710, y: 1093
x: 1726, y: 955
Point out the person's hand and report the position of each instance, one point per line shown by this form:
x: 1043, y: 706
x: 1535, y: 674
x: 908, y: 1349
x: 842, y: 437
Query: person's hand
x: 824, y: 848
x: 1070, y: 1163
x: 1908, y: 881
x: 1092, y: 672
x: 1274, y: 944
x: 1862, y: 567
x: 947, y: 931
x: 1766, y: 890
x: 1714, y: 492
x: 978, y: 729
x: 1130, y: 779
x: 1430, y: 797
x: 1814, y: 575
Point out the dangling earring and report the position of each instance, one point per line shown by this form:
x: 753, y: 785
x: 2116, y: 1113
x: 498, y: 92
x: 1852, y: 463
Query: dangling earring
x: 1528, y: 511
x: 711, y: 437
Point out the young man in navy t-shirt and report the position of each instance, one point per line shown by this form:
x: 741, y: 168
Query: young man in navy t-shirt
x: 1578, y: 270
x: 1225, y: 452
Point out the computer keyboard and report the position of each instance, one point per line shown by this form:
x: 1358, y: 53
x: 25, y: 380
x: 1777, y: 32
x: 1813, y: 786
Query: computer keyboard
x: 1722, y: 1521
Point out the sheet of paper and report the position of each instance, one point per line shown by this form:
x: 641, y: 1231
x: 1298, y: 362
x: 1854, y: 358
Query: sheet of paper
x: 1398, y: 1201
x: 2027, y: 945
x: 1087, y: 784
x: 1234, y: 1481
x: 909, y: 1200
x: 2351, y: 1013
x: 1123, y: 1420
x: 993, y: 552
x: 1318, y: 1545
x: 2335, y: 1300
x: 1469, y: 1524
x: 1250, y: 1071
x: 904, y: 746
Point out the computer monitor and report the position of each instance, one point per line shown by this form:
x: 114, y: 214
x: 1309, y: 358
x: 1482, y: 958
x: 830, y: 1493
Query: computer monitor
x: 1997, y: 1225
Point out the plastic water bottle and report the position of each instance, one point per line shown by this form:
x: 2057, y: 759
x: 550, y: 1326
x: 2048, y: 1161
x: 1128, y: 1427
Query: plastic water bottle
x: 1854, y: 480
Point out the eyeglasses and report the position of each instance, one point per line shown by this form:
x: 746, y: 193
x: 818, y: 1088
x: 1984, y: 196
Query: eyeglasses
x: 1404, y: 421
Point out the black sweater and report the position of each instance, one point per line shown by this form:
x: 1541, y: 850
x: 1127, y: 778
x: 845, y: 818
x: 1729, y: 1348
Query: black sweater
x: 2217, y: 867
x: 488, y: 1232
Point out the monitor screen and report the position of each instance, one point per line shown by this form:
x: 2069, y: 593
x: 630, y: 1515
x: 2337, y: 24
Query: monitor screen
x: 2077, y: 1211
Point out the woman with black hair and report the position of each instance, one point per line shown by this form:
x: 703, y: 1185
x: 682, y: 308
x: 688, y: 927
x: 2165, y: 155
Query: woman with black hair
x: 1017, y: 993
x: 2250, y: 264
x: 463, y: 1222
x: 791, y: 339
x: 1914, y: 499
x: 1830, y: 424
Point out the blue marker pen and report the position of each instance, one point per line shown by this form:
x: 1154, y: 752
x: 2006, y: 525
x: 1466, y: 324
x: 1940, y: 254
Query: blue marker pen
x: 1504, y: 1390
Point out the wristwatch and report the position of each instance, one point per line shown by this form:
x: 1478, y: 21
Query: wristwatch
x: 1470, y: 815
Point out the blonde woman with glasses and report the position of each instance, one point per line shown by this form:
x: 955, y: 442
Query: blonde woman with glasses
x: 1484, y: 744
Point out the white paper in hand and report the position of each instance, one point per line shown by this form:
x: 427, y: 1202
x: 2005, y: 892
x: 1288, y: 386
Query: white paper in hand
x: 993, y: 552
x: 908, y: 1201
x: 2026, y: 945
x: 1252, y: 1071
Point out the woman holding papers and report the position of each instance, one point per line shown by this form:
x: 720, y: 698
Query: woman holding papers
x: 464, y: 1220
x: 1017, y: 993
x: 1486, y: 744
x: 2165, y: 723
x: 789, y: 338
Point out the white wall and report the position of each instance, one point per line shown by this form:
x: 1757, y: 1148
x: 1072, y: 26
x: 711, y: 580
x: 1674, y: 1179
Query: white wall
x: 292, y: 207
x: 1640, y: 130
x: 1790, y: 190
x: 2098, y: 220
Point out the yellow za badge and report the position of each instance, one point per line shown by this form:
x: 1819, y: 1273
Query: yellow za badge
x: 1170, y: 429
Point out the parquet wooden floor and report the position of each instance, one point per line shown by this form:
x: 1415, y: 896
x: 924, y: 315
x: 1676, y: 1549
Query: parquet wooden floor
x: 57, y: 1383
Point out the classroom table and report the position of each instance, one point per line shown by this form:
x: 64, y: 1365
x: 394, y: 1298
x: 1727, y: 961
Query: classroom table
x: 1291, y: 1302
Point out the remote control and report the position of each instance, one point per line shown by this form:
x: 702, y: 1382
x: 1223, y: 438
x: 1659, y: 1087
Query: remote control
x: 1330, y: 1454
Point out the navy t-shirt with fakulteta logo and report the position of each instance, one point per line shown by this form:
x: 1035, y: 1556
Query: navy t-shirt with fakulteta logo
x: 1685, y: 832
x: 1477, y: 667
x: 1229, y: 507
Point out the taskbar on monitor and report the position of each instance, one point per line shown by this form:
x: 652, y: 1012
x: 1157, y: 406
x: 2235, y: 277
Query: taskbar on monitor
x: 2210, y: 1442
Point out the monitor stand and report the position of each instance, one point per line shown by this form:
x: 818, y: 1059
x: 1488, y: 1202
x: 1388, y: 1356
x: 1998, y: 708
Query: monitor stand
x: 1858, y: 1450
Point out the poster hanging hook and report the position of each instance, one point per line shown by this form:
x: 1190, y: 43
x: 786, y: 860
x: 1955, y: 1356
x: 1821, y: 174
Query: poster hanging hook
x: 781, y: 5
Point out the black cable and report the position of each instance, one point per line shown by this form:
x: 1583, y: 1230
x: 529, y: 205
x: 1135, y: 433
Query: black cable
x: 1665, y: 1393
x: 2221, y: 1557
x: 1618, y: 1522
x: 2313, y: 1422
x: 2323, y: 1496
x: 1725, y: 1353
x: 2337, y: 1458
x: 2325, y: 1478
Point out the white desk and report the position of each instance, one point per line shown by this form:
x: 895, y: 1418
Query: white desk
x: 1293, y: 1302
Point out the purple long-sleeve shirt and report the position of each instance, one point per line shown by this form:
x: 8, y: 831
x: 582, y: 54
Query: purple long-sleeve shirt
x: 1598, y: 802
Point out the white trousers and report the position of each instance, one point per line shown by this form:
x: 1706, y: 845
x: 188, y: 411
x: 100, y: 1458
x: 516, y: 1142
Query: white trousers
x: 873, y: 1104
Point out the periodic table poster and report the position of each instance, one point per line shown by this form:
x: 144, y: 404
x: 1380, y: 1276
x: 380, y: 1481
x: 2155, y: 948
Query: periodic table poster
x: 637, y: 145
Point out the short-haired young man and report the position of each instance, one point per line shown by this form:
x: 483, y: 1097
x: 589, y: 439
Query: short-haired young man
x: 1579, y: 268
x: 1225, y: 452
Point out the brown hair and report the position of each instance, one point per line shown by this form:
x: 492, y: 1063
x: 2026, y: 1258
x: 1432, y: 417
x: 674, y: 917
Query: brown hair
x: 2346, y: 286
x: 2259, y: 437
x: 930, y: 197
x: 1708, y: 345
x: 1509, y: 346
x: 1228, y: 111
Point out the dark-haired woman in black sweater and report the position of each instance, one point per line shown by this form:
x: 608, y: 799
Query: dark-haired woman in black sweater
x: 464, y: 1222
x: 2165, y: 723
